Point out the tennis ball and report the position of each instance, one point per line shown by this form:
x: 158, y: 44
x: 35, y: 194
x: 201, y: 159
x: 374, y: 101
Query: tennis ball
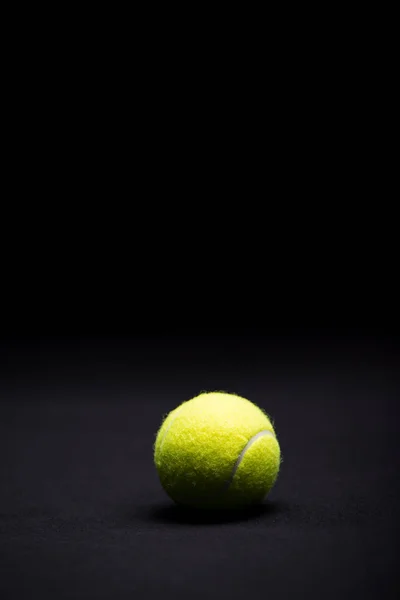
x: 217, y: 450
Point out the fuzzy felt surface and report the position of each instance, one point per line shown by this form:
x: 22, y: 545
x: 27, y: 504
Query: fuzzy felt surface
x: 198, y: 446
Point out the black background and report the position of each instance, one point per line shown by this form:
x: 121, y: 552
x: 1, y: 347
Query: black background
x: 82, y: 513
x: 103, y: 334
x: 236, y: 237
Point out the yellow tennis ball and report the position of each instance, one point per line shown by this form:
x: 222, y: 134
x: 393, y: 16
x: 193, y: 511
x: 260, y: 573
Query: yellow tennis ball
x: 217, y: 450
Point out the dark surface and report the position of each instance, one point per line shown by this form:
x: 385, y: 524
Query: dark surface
x: 82, y: 514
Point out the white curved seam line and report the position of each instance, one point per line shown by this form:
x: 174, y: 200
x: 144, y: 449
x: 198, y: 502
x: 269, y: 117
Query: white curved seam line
x: 243, y: 452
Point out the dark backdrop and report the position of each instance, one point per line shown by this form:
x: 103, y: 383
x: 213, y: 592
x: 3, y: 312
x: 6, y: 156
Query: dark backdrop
x: 239, y: 233
x: 82, y: 513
